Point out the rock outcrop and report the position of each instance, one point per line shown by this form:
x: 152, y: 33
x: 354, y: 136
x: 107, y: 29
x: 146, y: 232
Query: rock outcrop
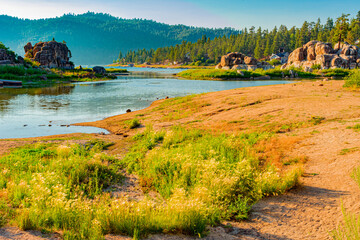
x: 6, y: 58
x: 323, y: 54
x: 237, y: 61
x: 49, y: 54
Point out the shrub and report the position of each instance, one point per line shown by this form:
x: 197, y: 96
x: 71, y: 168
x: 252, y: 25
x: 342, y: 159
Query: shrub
x: 353, y: 80
x: 316, y: 66
x: 275, y: 62
x: 336, y: 72
x: 134, y: 123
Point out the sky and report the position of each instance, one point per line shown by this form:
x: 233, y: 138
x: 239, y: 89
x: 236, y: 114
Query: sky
x: 205, y: 13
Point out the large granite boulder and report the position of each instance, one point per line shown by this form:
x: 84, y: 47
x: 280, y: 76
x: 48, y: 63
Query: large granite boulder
x: 343, y: 55
x: 296, y: 56
x: 236, y: 61
x: 50, y: 54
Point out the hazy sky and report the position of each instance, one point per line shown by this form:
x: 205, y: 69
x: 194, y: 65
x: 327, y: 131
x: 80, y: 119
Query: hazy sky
x: 207, y: 13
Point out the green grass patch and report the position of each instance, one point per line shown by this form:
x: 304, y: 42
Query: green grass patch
x: 336, y: 72
x: 220, y: 171
x: 348, y: 150
x: 216, y: 74
x: 116, y: 70
x: 134, y: 123
x: 203, y: 178
x: 356, y: 127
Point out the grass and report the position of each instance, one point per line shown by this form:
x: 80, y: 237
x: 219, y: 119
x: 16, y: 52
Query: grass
x: 348, y: 150
x: 356, y: 127
x: 134, y: 123
x: 350, y: 228
x: 116, y: 70
x: 276, y: 73
x: 216, y: 74
x: 35, y: 75
x: 201, y: 178
x: 337, y: 72
x: 353, y: 80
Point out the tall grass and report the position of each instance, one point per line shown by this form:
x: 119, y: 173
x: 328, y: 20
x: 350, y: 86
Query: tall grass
x: 201, y: 179
x: 221, y: 170
x: 350, y: 228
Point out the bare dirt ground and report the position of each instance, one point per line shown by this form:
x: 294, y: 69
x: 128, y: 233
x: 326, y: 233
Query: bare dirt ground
x: 312, y: 118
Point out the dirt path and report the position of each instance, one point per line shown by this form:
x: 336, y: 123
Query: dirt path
x: 313, y: 210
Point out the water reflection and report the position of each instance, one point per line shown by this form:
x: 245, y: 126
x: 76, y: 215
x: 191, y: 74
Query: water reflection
x: 28, y: 112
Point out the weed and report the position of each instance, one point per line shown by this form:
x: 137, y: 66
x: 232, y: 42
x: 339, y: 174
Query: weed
x: 348, y: 150
x: 134, y: 123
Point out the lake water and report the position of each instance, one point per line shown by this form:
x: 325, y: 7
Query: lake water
x: 47, y: 111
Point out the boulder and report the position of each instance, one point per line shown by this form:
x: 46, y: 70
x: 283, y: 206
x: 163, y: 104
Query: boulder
x: 343, y: 55
x: 309, y: 50
x: 296, y: 56
x: 219, y: 66
x: 250, y: 61
x: 236, y: 61
x: 6, y: 58
x: 323, y: 48
x: 49, y: 54
x: 252, y: 67
x: 99, y: 70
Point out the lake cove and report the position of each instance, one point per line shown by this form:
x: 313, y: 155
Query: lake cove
x: 33, y: 112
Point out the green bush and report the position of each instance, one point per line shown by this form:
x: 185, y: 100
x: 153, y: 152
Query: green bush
x: 353, y: 80
x: 275, y: 62
x: 336, y: 72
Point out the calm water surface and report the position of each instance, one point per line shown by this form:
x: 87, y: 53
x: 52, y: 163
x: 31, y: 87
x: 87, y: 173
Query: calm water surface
x: 29, y: 112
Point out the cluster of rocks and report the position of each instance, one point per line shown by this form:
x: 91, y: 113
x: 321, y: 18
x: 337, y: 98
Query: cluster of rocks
x: 49, y: 54
x: 343, y: 55
x: 6, y: 58
x: 238, y: 61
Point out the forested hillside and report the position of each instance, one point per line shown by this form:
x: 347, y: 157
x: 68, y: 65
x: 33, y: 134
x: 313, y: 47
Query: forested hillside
x: 252, y: 42
x: 98, y: 38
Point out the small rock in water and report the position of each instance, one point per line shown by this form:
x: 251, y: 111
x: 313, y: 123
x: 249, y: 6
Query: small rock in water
x: 25, y: 125
x: 128, y: 111
x: 50, y: 125
x: 167, y: 97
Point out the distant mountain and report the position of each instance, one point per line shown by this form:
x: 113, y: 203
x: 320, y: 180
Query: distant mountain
x: 96, y: 38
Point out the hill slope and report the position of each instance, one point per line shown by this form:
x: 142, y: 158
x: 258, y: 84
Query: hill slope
x: 96, y: 38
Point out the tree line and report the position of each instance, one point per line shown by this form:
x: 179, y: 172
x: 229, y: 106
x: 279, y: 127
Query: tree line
x: 252, y: 42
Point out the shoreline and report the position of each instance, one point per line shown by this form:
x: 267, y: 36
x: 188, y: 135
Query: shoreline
x: 286, y: 110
